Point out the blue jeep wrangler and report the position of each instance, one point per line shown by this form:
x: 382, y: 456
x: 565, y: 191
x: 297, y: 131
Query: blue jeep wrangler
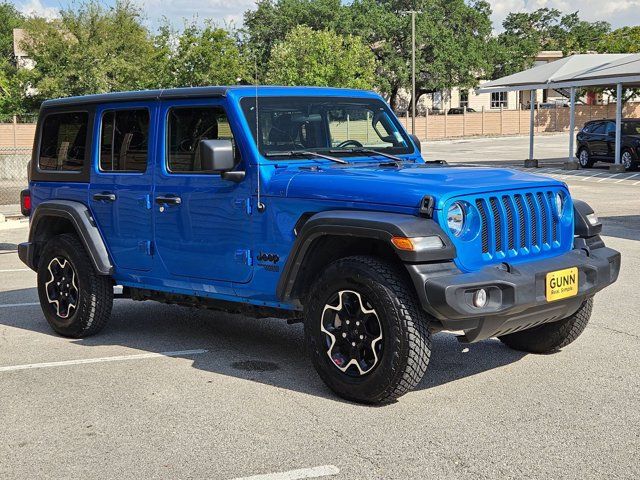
x: 310, y: 204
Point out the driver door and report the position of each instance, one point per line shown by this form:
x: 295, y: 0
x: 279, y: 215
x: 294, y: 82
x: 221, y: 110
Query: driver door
x: 201, y: 221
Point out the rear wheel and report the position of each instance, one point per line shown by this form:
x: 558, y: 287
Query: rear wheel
x: 584, y: 157
x: 551, y: 337
x: 75, y: 299
x: 367, y: 335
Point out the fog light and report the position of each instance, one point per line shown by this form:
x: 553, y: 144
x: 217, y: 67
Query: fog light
x: 480, y: 298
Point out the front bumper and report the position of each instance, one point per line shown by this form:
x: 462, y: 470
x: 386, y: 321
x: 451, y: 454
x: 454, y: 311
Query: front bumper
x: 516, y: 293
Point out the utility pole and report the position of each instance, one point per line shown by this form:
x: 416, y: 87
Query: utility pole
x: 413, y: 67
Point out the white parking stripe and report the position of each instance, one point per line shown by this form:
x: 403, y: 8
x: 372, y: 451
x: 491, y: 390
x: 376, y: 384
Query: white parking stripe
x: 609, y: 177
x: 314, y: 472
x: 84, y: 361
x: 13, y: 305
x: 592, y: 176
x: 9, y: 270
x: 627, y: 178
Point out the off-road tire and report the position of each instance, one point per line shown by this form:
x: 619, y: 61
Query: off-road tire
x: 95, y: 292
x: 551, y: 337
x: 407, y: 341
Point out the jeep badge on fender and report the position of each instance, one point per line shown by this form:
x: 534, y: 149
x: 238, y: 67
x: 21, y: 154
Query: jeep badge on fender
x: 305, y: 203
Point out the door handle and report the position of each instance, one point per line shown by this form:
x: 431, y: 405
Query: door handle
x: 104, y: 197
x: 168, y: 200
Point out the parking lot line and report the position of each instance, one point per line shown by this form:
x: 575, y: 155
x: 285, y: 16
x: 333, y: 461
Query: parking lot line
x: 13, y: 305
x: 627, y: 178
x: 314, y: 472
x: 84, y: 361
x: 592, y: 176
x: 609, y: 177
x: 9, y: 270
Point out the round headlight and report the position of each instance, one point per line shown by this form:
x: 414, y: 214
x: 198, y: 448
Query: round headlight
x: 559, y: 204
x: 456, y: 218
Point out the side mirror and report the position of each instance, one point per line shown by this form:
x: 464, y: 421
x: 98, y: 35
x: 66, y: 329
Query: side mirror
x: 416, y: 140
x: 218, y: 156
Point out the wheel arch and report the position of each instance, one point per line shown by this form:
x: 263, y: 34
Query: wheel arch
x: 55, y: 217
x: 327, y: 236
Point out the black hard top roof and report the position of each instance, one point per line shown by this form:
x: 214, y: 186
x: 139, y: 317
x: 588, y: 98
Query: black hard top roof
x: 185, y: 92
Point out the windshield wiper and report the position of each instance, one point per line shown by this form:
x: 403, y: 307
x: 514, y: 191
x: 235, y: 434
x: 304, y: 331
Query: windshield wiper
x: 305, y: 153
x: 368, y: 150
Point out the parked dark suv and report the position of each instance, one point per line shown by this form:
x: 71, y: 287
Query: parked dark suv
x: 597, y: 142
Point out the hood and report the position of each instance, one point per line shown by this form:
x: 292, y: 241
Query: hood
x: 403, y: 186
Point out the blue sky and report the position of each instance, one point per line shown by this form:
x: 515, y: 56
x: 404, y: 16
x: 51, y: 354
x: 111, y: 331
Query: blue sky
x: 617, y: 12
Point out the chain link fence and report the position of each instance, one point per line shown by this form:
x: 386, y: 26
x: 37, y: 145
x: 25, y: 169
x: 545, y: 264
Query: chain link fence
x: 13, y: 173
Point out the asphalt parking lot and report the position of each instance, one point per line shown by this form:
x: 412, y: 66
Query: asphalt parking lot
x: 172, y: 392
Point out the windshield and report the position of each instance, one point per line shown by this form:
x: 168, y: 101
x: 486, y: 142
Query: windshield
x: 339, y: 126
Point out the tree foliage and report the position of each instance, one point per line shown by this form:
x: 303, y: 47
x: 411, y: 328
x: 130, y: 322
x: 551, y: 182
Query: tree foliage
x: 272, y: 20
x: 198, y: 56
x: 11, y: 93
x: 622, y: 40
x: 321, y: 58
x: 525, y: 34
x: 90, y: 49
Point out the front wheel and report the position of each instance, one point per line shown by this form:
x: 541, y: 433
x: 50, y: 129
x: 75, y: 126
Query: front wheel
x: 75, y: 299
x: 551, y: 337
x: 626, y: 159
x: 367, y: 335
x: 584, y: 157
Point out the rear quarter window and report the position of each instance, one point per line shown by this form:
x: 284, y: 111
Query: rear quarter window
x: 63, y: 142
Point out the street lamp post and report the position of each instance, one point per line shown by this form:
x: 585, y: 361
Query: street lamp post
x: 413, y: 67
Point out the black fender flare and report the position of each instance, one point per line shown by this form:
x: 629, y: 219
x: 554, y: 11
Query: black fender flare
x: 84, y: 224
x: 583, y: 228
x: 363, y: 224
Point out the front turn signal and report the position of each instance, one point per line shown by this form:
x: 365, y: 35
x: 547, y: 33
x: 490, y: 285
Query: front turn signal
x: 417, y: 244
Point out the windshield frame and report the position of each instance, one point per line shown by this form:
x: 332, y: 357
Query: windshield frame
x: 247, y: 108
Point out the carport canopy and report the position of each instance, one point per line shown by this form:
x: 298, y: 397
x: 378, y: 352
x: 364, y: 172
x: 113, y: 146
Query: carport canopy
x: 575, y: 71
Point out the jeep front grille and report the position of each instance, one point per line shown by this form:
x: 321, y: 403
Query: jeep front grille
x: 526, y: 220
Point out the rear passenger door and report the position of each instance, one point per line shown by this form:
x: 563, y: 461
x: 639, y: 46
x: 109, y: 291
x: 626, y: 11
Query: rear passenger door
x: 121, y: 181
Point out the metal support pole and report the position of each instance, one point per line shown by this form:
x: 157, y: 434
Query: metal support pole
x: 413, y: 72
x: 572, y: 161
x: 617, y: 166
x: 531, y: 162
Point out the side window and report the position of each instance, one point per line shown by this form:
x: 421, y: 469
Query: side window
x: 63, y: 142
x: 186, y: 127
x: 611, y: 127
x: 599, y: 128
x: 124, y: 140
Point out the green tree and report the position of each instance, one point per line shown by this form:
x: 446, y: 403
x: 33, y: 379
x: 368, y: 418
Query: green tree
x: 10, y: 91
x: 527, y: 33
x: 321, y: 58
x: 621, y: 40
x: 90, y: 49
x: 272, y: 20
x: 452, y: 42
x: 10, y: 18
x: 206, y: 55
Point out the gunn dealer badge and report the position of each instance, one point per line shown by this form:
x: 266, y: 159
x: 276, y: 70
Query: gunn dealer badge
x: 562, y: 284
